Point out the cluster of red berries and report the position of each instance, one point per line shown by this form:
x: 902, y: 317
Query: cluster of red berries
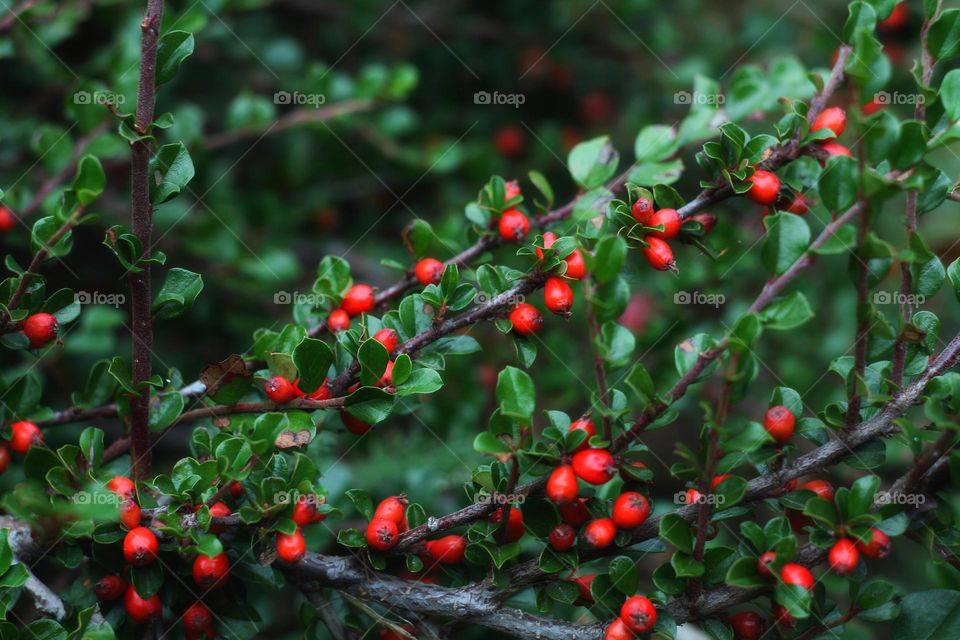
x: 360, y: 298
x: 292, y: 547
x: 23, y: 435
x: 657, y: 252
x: 513, y: 223
x: 389, y: 521
x: 833, y: 119
x: 281, y: 390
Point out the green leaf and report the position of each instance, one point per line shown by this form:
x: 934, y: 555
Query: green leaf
x: 676, y: 531
x: 172, y: 49
x: 953, y: 272
x: 788, y: 237
x: 373, y: 358
x: 422, y: 380
x: 90, y: 179
x: 615, y: 343
x: 313, y: 359
x: 516, y: 394
x: 928, y: 615
x: 838, y: 183
x: 743, y: 573
x: 362, y: 502
x: 179, y: 291
x: 861, y: 495
x: 173, y: 169
x: 950, y: 94
x: 608, y: 258
x: 593, y: 162
x: 369, y: 404
x: 943, y: 40
x: 787, y: 313
x: 624, y: 575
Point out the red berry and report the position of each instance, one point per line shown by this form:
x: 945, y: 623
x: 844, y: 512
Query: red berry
x: 4, y: 456
x: 526, y: 320
x: 198, y: 622
x: 617, y: 630
x: 40, y: 328
x: 639, y: 614
x: 109, y: 587
x: 122, y: 486
x: 600, y: 533
x: 670, y: 220
x: 558, y: 296
x: 354, y: 425
x: 799, y: 205
x: 782, y: 617
x: 693, y: 496
x: 765, y: 563
x: 717, y: 480
x: 584, y: 583
x: 765, y: 187
x: 388, y: 338
x: 447, y: 550
x: 428, y: 271
x: 843, y: 556
x: 130, y: 513
x: 321, y: 393
x: 549, y: 237
x: 291, y: 548
x: 575, y: 513
x: 576, y: 267
x: 280, y: 390
x: 393, y: 509
x: 834, y: 119
x: 515, y: 528
x: 748, y: 625
x: 7, y: 220
x: 595, y: 466
x: 236, y: 489
x: 338, y: 320
x: 511, y: 190
x: 562, y: 485
x: 305, y: 512
x: 896, y: 19
x: 562, y: 537
x: 218, y: 510
x: 630, y: 510
x: 822, y: 488
x: 584, y: 424
x: 658, y: 254
x: 878, y: 547
x: 707, y: 220
x: 140, y: 546
x: 510, y: 141
x: 642, y: 210
x: 358, y: 299
x: 387, y: 378
x: 513, y: 225
x: 140, y: 609
x: 210, y: 572
x: 835, y: 149
x: 797, y: 574
x: 779, y: 421
x: 24, y: 435
x: 382, y: 534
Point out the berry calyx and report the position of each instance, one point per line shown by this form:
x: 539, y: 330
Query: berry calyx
x: 669, y: 219
x: 24, y: 435
x: 599, y: 533
x: 109, y: 587
x: 338, y: 320
x: 843, y: 557
x: 513, y: 225
x: 595, y: 466
x: 575, y: 513
x: 765, y: 186
x: 305, y: 512
x: 586, y: 425
x: 748, y: 625
x: 562, y: 485
x: 834, y: 119
x: 639, y: 614
x: 797, y: 574
x: 358, y: 299
x: 659, y: 255
x: 122, y: 486
x: 558, y: 296
x: 354, y: 425
x: 515, y: 528
x: 129, y: 513
x: 388, y: 338
x: 562, y: 537
x: 382, y: 534
x: 779, y: 422
x: 765, y: 563
x: 280, y: 390
x: 141, y: 609
x: 198, y: 622
x: 630, y: 510
x: 878, y: 547
x: 428, y: 271
x: 210, y: 572
x: 291, y: 548
x: 642, y: 210
x: 140, y: 546
x: 40, y: 328
x: 526, y: 320
x: 447, y: 550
